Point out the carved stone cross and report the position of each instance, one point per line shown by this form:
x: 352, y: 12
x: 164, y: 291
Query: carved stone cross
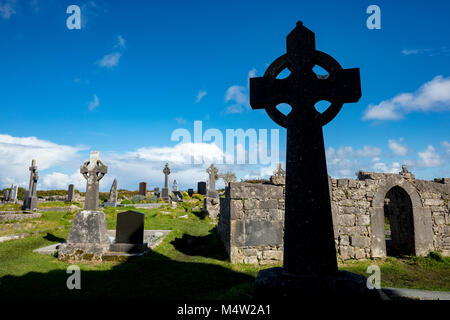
x: 308, y: 238
x: 93, y: 171
x: 213, y: 177
x: 166, y: 172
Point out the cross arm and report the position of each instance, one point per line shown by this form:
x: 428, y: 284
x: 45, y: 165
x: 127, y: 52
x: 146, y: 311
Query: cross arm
x: 268, y: 92
x: 341, y: 86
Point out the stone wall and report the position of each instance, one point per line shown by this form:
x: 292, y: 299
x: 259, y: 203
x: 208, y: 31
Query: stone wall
x: 251, y: 217
x: 251, y: 222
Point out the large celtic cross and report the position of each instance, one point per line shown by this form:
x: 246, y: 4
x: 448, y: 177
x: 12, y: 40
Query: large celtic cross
x: 308, y: 237
x: 93, y: 171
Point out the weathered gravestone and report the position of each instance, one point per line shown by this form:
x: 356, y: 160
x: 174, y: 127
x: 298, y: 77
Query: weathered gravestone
x: 129, y: 233
x: 201, y: 187
x: 190, y: 192
x: 211, y: 203
x: 6, y: 195
x: 88, y: 238
x: 213, y: 173
x: 14, y: 192
x: 143, y: 189
x: 30, y: 201
x: 175, y: 185
x: 112, y: 197
x: 157, y: 192
x: 310, y: 266
x: 165, y: 190
x: 70, y: 193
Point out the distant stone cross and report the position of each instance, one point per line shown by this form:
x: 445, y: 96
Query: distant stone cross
x: 30, y: 201
x: 279, y: 171
x: 93, y: 171
x: 166, y: 172
x: 308, y: 239
x: 213, y: 177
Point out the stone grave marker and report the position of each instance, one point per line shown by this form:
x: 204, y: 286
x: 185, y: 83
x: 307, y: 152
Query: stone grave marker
x: 143, y: 189
x: 310, y: 265
x: 165, y: 190
x: 201, y: 187
x: 190, y: 192
x: 30, y: 201
x: 112, y: 197
x: 213, y: 173
x: 129, y: 233
x: 88, y: 236
x: 14, y: 192
x: 70, y: 193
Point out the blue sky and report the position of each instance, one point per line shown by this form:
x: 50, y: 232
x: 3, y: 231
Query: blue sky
x: 138, y: 70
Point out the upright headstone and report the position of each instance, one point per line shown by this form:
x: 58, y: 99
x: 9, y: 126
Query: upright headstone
x: 30, y: 202
x: 157, y: 192
x: 190, y: 192
x: 143, y: 189
x: 6, y: 195
x: 213, y: 173
x: 165, y: 190
x: 13, y: 196
x: 201, y: 187
x: 129, y: 233
x: 70, y: 193
x: 88, y: 238
x: 175, y: 185
x: 310, y: 266
x: 112, y: 197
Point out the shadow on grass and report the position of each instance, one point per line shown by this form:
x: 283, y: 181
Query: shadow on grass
x: 200, y: 214
x: 154, y: 277
x: 52, y: 238
x: 209, y: 246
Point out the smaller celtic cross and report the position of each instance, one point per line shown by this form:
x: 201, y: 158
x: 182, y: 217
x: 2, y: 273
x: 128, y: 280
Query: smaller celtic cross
x: 93, y: 171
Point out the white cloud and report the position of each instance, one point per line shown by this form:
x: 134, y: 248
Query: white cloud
x: 7, y: 9
x: 110, y: 60
x: 16, y: 154
x: 432, y: 96
x: 384, y: 168
x: 446, y: 145
x: 397, y: 147
x: 429, y: 158
x: 120, y: 42
x: 238, y: 96
x: 200, y: 95
x: 94, y: 103
x: 408, y: 52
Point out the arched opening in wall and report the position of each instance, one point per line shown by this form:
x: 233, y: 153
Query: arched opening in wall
x: 399, y: 224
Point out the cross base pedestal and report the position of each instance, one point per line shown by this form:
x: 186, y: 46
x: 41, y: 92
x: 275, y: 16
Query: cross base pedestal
x: 275, y: 284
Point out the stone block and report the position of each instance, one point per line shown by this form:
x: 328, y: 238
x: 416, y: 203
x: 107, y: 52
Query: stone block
x: 360, y: 242
x: 433, y: 202
x: 269, y: 204
x: 273, y: 255
x: 346, y: 220
x: 342, y: 183
x: 259, y: 233
x: 363, y: 220
x: 360, y: 253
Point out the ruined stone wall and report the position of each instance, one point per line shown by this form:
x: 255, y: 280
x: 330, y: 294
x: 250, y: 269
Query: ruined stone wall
x: 251, y: 222
x: 251, y: 217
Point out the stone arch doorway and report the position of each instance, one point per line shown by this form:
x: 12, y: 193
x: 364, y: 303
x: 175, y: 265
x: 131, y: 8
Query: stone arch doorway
x: 416, y: 237
x: 398, y: 215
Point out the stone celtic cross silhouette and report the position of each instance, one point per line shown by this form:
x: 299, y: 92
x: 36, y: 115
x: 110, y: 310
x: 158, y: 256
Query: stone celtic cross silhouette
x: 308, y: 238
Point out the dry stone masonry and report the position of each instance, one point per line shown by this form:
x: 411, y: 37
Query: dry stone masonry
x: 418, y: 212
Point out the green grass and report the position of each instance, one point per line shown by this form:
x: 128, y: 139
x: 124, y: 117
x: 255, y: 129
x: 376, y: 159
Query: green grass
x: 190, y: 263
x: 427, y: 273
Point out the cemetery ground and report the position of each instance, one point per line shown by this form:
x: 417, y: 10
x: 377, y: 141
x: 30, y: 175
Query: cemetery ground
x: 190, y: 264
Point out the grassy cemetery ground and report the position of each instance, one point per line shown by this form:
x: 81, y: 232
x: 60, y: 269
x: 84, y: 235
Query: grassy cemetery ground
x: 189, y: 264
